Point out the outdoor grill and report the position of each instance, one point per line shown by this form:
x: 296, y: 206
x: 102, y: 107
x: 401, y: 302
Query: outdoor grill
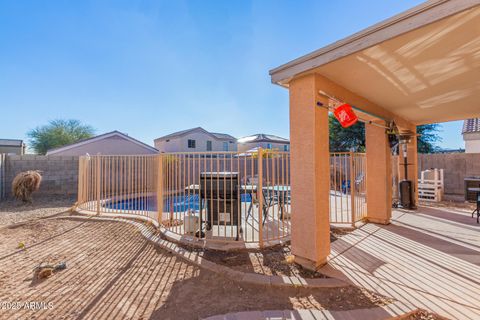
x: 220, y: 192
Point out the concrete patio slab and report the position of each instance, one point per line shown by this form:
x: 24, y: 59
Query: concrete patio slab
x: 379, y: 313
x: 428, y: 258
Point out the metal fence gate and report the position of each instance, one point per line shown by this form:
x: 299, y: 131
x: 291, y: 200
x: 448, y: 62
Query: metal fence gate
x: 348, y: 188
x: 215, y: 196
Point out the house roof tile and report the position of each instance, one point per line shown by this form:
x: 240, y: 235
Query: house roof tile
x: 11, y: 142
x: 221, y: 136
x: 471, y: 125
x: 262, y: 137
x: 99, y: 137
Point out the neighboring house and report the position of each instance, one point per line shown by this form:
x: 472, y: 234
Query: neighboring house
x: 195, y: 140
x: 267, y: 141
x: 111, y: 143
x: 12, y: 146
x: 471, y: 135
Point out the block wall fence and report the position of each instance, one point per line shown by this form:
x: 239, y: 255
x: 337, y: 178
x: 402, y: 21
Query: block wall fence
x: 456, y: 167
x: 59, y: 173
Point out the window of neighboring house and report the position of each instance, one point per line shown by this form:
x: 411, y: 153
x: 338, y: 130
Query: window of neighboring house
x: 225, y: 146
x: 269, y: 146
x: 286, y: 147
x: 191, y: 144
x: 209, y: 145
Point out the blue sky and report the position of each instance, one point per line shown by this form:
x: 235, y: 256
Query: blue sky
x: 152, y: 67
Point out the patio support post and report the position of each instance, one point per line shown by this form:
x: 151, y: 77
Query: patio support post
x: 310, y: 172
x: 379, y: 175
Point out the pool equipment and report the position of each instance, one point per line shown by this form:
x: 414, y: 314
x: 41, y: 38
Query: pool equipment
x: 191, y: 222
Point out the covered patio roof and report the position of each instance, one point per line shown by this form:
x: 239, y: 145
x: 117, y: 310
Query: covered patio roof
x: 422, y: 65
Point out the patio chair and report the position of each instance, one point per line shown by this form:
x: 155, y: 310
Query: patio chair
x: 358, y: 181
x: 253, y: 181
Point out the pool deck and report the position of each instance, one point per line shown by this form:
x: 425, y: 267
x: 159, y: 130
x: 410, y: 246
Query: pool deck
x: 275, y: 227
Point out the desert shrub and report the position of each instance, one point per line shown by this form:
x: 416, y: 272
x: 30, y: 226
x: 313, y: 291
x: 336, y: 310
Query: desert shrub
x: 25, y: 183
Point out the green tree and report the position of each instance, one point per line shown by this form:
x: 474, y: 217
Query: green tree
x: 58, y: 133
x: 428, y: 137
x: 353, y: 138
x: 346, y: 139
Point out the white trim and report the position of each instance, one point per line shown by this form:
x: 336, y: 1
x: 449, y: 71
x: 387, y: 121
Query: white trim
x: 101, y: 137
x: 414, y: 18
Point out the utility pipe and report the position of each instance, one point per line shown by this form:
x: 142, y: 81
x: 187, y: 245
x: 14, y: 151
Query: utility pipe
x: 323, y: 93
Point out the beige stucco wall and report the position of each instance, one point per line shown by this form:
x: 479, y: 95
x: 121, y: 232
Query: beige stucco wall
x: 10, y: 150
x: 472, y: 142
x: 180, y: 144
x: 309, y: 174
x: 472, y: 146
x: 114, y: 145
x: 379, y: 175
x: 242, y: 147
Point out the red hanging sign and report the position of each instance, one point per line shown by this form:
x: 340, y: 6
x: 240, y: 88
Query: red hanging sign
x: 345, y: 115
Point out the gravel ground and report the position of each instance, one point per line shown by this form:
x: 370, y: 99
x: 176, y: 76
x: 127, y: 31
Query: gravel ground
x: 424, y: 315
x: 277, y: 260
x: 14, y: 211
x: 113, y: 272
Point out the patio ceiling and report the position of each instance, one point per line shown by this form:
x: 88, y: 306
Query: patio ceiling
x: 422, y: 65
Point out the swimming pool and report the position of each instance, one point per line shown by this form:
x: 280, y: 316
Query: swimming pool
x: 180, y: 203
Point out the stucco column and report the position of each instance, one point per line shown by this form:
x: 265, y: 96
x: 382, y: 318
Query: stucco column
x: 379, y: 175
x: 310, y: 172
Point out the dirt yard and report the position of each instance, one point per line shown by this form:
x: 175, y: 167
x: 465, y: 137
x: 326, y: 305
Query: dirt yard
x: 277, y: 260
x: 114, y: 272
x: 12, y: 211
x: 424, y: 315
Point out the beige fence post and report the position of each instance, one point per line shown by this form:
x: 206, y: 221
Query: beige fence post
x: 97, y: 175
x: 260, y: 196
x: 2, y: 175
x: 160, y: 188
x: 352, y: 187
x: 80, y: 181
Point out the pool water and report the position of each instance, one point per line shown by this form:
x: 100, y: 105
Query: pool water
x: 180, y: 203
